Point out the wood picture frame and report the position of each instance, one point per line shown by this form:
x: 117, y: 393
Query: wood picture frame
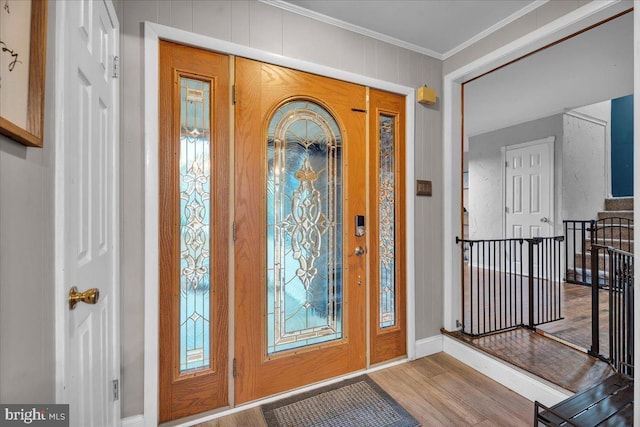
x: 28, y: 128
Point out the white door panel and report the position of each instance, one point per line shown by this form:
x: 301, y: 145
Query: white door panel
x: 529, y: 189
x: 87, y: 219
x: 528, y: 196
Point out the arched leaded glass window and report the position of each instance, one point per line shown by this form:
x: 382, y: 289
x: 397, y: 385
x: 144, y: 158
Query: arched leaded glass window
x: 304, y: 227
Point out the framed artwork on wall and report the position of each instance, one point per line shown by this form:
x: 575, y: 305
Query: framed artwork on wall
x: 23, y: 42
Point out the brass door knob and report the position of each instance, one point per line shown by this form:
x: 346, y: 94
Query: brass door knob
x: 90, y: 296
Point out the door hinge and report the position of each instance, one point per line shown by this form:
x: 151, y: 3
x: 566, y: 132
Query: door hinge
x: 116, y: 67
x: 116, y: 390
x: 233, y: 94
x: 235, y: 372
x: 506, y: 209
x: 235, y: 231
x: 506, y: 164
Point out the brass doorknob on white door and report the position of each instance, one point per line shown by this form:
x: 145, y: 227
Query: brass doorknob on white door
x: 90, y: 296
x: 544, y: 219
x: 359, y: 251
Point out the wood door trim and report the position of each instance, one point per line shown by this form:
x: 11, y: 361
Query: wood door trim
x: 188, y: 394
x: 388, y: 343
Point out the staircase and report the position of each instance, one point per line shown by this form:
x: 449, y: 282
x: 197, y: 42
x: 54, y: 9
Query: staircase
x: 613, y: 227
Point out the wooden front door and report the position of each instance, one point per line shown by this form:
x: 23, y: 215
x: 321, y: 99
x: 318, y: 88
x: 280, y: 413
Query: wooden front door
x: 194, y: 230
x: 300, y: 267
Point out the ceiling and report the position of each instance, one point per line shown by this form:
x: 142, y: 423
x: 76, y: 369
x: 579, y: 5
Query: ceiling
x: 594, y: 66
x: 438, y: 28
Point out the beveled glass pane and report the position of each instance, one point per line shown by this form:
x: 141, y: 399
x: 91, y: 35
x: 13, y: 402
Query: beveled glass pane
x: 387, y: 215
x: 195, y: 220
x: 304, y: 227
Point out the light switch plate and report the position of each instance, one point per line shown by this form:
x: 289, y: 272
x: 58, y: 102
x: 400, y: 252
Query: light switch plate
x: 423, y: 188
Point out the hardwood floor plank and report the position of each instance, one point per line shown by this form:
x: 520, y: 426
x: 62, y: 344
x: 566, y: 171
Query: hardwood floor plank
x: 432, y: 365
x: 428, y: 403
x: 251, y: 417
x: 507, y: 413
x: 469, y: 380
x: 437, y: 390
x: 546, y: 358
x: 575, y: 328
x: 505, y: 396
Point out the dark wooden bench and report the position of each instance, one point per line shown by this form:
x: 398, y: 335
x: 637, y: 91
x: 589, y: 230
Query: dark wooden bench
x: 609, y: 403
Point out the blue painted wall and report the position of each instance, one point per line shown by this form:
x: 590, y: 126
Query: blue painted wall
x: 622, y: 146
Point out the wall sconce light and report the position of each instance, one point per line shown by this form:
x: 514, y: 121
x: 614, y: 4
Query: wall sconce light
x: 426, y: 95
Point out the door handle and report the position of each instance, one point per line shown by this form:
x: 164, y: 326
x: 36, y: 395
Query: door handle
x: 359, y: 251
x: 90, y: 296
x: 544, y: 219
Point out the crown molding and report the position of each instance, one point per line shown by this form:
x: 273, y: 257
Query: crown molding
x: 495, y: 27
x: 284, y: 5
x: 351, y: 27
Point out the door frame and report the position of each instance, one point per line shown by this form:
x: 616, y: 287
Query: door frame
x: 566, y: 25
x: 152, y: 34
x: 61, y: 287
x: 550, y: 144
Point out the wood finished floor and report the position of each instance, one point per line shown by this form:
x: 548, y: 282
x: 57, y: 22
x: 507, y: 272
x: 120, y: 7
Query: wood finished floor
x: 557, y: 363
x: 574, y: 308
x: 437, y: 390
x: 575, y: 328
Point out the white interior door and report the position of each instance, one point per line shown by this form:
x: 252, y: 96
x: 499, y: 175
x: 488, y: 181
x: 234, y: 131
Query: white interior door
x: 529, y: 189
x: 87, y: 208
x: 528, y: 195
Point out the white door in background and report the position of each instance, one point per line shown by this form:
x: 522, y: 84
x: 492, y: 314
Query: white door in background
x: 529, y: 189
x: 87, y: 210
x: 528, y: 194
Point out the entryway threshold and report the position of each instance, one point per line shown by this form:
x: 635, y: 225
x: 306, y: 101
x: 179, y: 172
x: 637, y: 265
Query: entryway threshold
x: 227, y: 410
x: 553, y: 361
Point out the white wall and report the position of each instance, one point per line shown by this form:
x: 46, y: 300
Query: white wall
x: 566, y: 75
x: 27, y: 351
x: 583, y: 173
x: 580, y: 168
x: 486, y: 208
x: 264, y: 27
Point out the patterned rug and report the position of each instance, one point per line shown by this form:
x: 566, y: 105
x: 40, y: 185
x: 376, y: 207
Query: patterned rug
x: 355, y: 402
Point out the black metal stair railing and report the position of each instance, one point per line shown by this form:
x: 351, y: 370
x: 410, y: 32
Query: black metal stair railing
x: 580, y: 235
x: 508, y: 283
x: 577, y: 233
x: 619, y: 270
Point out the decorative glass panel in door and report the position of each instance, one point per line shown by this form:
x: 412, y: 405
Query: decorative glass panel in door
x: 195, y: 220
x: 386, y: 210
x: 304, y: 227
x: 387, y: 285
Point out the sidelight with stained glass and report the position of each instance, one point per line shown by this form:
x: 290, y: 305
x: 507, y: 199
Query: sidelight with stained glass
x: 304, y: 227
x: 386, y: 212
x: 195, y: 221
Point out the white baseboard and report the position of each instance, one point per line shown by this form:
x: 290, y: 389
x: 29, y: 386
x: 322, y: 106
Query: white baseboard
x: 428, y: 346
x: 516, y: 379
x: 135, y: 421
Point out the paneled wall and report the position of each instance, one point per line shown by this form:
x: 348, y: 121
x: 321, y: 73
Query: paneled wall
x: 264, y: 27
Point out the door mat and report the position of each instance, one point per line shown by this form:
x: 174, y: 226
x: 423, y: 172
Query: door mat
x: 355, y: 402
